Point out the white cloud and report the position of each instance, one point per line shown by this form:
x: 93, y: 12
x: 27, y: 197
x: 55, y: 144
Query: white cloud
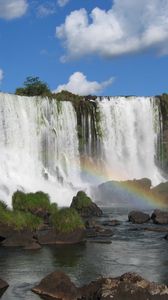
x: 62, y: 2
x: 46, y: 9
x: 1, y: 75
x: 78, y: 84
x: 11, y: 9
x: 129, y: 26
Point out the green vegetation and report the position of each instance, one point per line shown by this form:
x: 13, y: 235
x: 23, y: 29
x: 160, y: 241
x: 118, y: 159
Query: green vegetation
x: 19, y: 220
x: 81, y: 200
x: 30, y: 202
x: 33, y: 86
x: 66, y: 220
x: 3, y: 205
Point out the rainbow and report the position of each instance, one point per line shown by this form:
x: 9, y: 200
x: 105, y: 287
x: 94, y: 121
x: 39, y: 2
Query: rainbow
x: 144, y: 197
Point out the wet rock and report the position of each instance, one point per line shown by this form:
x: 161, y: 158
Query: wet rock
x: 160, y: 217
x: 32, y: 246
x: 85, y: 206
x: 166, y: 237
x: 5, y: 231
x: 156, y: 229
x: 111, y: 223
x: 19, y: 239
x: 57, y: 285
x: 129, y: 286
x: 138, y: 217
x: 3, y: 286
x: 50, y: 236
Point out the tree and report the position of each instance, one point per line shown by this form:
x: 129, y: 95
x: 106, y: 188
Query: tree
x: 33, y: 86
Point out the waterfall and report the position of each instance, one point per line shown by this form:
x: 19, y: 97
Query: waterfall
x: 44, y: 143
x: 130, y: 128
x: 38, y: 147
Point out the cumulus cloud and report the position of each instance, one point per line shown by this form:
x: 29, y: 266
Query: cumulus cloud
x: 45, y: 10
x: 1, y: 75
x: 62, y: 2
x: 78, y: 84
x: 11, y: 9
x: 129, y: 26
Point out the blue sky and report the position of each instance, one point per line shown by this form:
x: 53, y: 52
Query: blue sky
x: 100, y: 47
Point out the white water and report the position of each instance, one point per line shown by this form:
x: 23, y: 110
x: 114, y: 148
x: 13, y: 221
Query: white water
x: 130, y: 127
x: 38, y: 139
x: 39, y: 144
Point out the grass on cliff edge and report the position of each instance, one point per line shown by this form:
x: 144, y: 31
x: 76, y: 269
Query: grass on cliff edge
x: 18, y: 220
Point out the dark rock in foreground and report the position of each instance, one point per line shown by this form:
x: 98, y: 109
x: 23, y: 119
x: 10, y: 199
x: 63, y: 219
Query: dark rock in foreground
x: 3, y: 286
x: 138, y: 217
x: 160, y: 217
x: 85, y: 206
x: 129, y: 286
x: 166, y: 237
x: 57, y: 285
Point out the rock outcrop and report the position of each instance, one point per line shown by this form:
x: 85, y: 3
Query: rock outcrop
x: 85, y: 206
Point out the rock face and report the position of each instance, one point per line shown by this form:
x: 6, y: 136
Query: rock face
x: 160, y: 217
x: 129, y: 286
x: 138, y: 217
x: 58, y: 286
x: 3, y: 286
x: 85, y: 206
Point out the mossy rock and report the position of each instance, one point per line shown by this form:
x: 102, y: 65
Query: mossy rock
x: 85, y: 206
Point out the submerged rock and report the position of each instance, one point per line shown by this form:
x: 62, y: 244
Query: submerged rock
x: 3, y: 286
x: 111, y: 223
x: 166, y: 237
x: 138, y: 217
x: 57, y: 285
x: 160, y: 217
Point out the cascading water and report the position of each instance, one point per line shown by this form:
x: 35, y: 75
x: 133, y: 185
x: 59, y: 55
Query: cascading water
x: 130, y: 127
x: 38, y: 147
x: 39, y: 143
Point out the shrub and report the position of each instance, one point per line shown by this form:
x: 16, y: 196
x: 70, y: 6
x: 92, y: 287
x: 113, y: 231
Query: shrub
x: 66, y: 220
x: 31, y: 201
x: 81, y: 200
x: 3, y: 204
x: 33, y: 86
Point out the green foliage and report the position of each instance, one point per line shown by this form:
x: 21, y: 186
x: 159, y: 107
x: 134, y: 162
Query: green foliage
x: 66, y: 96
x: 66, y: 220
x: 3, y: 204
x: 81, y: 200
x: 33, y: 86
x: 30, y: 202
x: 19, y: 220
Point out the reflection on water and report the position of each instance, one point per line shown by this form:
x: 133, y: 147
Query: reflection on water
x: 136, y: 251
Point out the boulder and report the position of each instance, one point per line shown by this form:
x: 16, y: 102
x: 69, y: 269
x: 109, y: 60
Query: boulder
x: 138, y: 217
x: 57, y: 285
x: 20, y: 238
x: 50, y: 236
x: 160, y: 217
x: 3, y: 286
x: 129, y: 286
x: 5, y: 231
x: 85, y: 206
